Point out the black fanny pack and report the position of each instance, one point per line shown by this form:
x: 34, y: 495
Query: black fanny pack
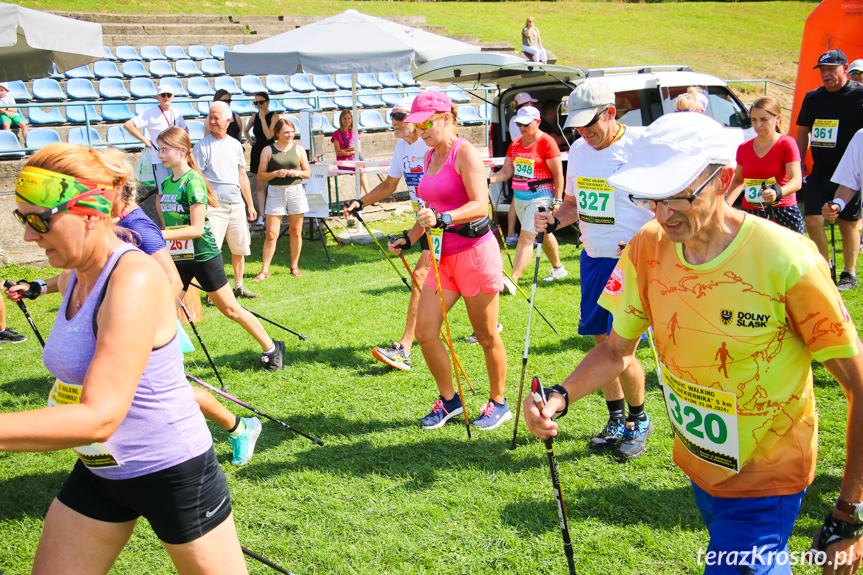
x: 474, y: 229
x: 534, y: 184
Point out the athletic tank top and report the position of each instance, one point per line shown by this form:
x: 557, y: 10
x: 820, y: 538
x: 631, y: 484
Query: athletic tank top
x: 287, y: 160
x: 445, y: 191
x: 163, y: 427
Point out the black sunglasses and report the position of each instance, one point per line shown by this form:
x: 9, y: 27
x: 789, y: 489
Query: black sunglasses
x: 166, y: 95
x: 595, y: 119
x: 228, y: 101
x: 398, y: 116
x: 260, y: 102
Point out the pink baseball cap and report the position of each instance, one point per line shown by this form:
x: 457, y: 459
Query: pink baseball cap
x: 427, y: 104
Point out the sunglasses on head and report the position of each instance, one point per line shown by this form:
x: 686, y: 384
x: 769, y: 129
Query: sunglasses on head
x: 39, y: 220
x: 166, y: 95
x: 398, y: 116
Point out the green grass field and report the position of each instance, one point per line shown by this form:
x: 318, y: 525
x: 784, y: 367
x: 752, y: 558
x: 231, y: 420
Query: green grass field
x: 385, y: 496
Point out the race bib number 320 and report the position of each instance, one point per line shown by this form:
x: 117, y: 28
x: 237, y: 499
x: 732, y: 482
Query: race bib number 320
x: 595, y: 201
x: 824, y: 133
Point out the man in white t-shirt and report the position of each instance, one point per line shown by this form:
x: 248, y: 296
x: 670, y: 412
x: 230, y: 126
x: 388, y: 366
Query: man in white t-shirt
x: 10, y: 117
x: 223, y: 163
x: 849, y: 176
x: 147, y: 127
x: 407, y: 163
x: 607, y: 219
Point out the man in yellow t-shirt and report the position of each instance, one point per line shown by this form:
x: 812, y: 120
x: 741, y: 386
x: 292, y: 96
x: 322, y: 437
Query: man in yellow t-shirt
x: 739, y: 308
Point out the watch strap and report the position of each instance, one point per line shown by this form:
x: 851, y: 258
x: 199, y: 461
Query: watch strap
x: 559, y: 389
x: 834, y: 530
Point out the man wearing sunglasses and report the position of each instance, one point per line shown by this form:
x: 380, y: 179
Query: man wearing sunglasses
x: 606, y: 218
x: 148, y: 125
x: 739, y: 308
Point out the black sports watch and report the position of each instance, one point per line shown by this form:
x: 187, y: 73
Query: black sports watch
x: 559, y: 389
x: 834, y: 530
x: 443, y: 220
x: 855, y: 510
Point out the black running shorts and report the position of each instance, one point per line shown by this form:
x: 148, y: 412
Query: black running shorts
x: 210, y: 274
x: 817, y: 192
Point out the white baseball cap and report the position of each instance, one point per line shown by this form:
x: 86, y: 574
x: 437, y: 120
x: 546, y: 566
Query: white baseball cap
x: 671, y: 153
x: 526, y: 115
x: 164, y: 89
x: 4, y: 85
x: 523, y: 98
x: 586, y: 101
x: 403, y: 104
x: 856, y: 66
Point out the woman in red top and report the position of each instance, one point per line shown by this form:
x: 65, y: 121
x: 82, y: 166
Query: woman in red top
x: 768, y: 169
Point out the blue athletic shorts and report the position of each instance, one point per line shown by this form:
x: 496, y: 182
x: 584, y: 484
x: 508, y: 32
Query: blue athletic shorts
x: 595, y: 272
x: 750, y: 533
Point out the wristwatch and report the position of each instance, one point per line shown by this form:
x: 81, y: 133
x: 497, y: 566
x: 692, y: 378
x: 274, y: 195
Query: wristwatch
x: 559, y: 389
x: 443, y: 220
x: 855, y: 510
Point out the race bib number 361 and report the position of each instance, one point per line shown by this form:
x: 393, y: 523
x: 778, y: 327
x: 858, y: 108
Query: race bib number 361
x: 824, y: 133
x: 595, y: 201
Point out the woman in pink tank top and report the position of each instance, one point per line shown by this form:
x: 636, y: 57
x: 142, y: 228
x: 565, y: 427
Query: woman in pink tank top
x: 455, y: 190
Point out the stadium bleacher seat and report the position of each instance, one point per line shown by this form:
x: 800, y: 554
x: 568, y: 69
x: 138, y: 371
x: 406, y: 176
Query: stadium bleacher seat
x: 186, y: 68
x: 57, y: 75
x: 226, y: 83
x: 105, y: 69
x: 161, y: 69
x: 407, y: 79
x: 151, y: 53
x: 38, y: 138
x: 368, y: 98
x: 456, y: 94
x: 343, y: 99
x: 47, y: 89
x: 198, y: 52
x: 412, y: 92
x: 186, y: 109
x: 10, y: 147
x: 80, y: 72
x: 108, y: 54
x: 295, y: 103
x: 485, y: 111
x: 324, y: 82
x: 75, y: 114
x: 388, y: 117
x: 251, y: 84
x: 19, y: 91
x: 238, y: 46
x: 199, y: 86
x: 244, y: 107
x: 142, y: 88
x: 135, y: 69
x: 116, y: 112
x: 120, y: 138
x: 343, y: 81
x: 300, y: 83
x: 390, y: 96
x: 371, y: 121
x: 218, y: 51
x: 113, y: 89
x: 322, y: 100
x: 276, y: 106
x: 320, y: 122
x: 143, y: 105
x: 81, y: 89
x: 177, y: 86
x: 368, y: 80
x: 203, y: 107
x: 468, y: 116
x: 389, y: 80
x: 175, y: 53
x: 79, y: 136
x: 196, y: 130
x: 212, y: 67
x: 276, y: 84
x: 294, y: 120
x: 126, y: 53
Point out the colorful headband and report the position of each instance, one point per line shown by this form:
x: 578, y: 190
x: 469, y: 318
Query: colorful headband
x: 48, y: 189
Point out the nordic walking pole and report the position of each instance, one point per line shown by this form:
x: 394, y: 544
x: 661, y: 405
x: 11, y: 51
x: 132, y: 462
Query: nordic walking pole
x: 539, y: 398
x: 207, y: 353
x: 265, y: 561
x: 8, y: 284
x: 448, y: 337
x: 391, y: 238
x: 356, y: 214
x: 539, y: 238
x: 239, y: 402
x: 527, y: 297
x: 833, y: 245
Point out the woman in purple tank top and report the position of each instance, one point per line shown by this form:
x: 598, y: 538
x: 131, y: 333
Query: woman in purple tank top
x: 120, y: 400
x: 456, y: 192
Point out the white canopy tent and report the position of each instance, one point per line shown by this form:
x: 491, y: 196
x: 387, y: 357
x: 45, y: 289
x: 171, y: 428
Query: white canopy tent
x: 348, y: 43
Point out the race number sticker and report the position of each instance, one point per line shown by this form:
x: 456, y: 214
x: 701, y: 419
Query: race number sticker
x: 752, y: 189
x: 180, y: 250
x: 595, y: 201
x: 95, y: 455
x: 704, y: 420
x: 437, y: 241
x: 824, y: 133
x: 523, y: 168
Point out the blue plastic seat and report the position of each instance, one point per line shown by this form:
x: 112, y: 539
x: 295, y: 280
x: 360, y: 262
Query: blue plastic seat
x: 47, y: 89
x: 177, y: 86
x: 226, y: 83
x: 135, y: 69
x: 324, y: 82
x: 322, y: 101
x: 78, y: 136
x: 371, y: 121
x: 390, y: 97
x: 456, y: 94
x: 407, y: 79
x: 389, y: 80
x: 151, y: 53
x: 113, y: 89
x: 19, y: 91
x: 142, y: 106
x: 199, y: 86
x: 75, y: 114
x: 320, y: 123
x: 38, y: 138
x: 161, y: 69
x: 343, y: 99
x: 275, y: 106
x: 368, y: 80
x: 218, y: 51
x: 186, y: 109
x: 108, y: 54
x: 196, y: 130
x: 198, y: 52
x: 80, y: 72
x: 116, y: 112
x: 9, y: 145
x: 468, y: 116
x: 126, y: 53
x: 343, y: 81
x: 276, y: 84
x: 295, y: 103
x: 300, y: 83
x: 251, y: 84
x: 412, y: 92
x: 485, y: 111
x: 120, y: 138
x: 142, y: 88
x: 368, y: 98
x: 175, y: 53
x: 187, y: 68
x: 203, y: 106
x: 81, y: 89
x: 238, y: 46
x: 105, y: 69
x: 244, y: 107
x: 56, y: 75
x: 212, y: 67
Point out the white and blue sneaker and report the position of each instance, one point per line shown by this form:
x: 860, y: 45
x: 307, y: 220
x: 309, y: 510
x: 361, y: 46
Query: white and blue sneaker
x: 442, y: 411
x: 634, y: 441
x: 244, y: 444
x: 493, y: 415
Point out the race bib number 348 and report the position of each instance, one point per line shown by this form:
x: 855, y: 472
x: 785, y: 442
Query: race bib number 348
x: 595, y: 201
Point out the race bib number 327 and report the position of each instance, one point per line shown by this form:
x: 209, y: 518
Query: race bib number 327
x: 595, y: 201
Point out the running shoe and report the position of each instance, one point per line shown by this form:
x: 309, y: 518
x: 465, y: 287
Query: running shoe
x: 634, y: 442
x: 492, y: 415
x: 442, y: 411
x: 472, y: 337
x: 609, y: 436
x: 511, y: 241
x: 847, y: 282
x: 508, y: 287
x: 243, y: 291
x: 394, y: 356
x: 273, y: 360
x: 10, y: 336
x: 557, y: 273
x: 244, y: 444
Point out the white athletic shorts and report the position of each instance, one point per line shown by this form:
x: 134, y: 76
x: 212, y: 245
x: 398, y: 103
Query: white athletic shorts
x: 229, y: 220
x: 286, y: 200
x: 525, y: 210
